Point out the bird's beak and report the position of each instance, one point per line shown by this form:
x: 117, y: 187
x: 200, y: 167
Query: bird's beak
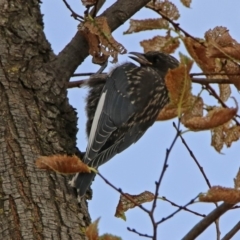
x: 140, y: 58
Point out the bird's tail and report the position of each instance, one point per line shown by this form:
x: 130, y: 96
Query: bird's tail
x: 82, y: 181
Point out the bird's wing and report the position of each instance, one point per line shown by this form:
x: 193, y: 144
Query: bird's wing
x: 132, y: 136
x: 113, y: 110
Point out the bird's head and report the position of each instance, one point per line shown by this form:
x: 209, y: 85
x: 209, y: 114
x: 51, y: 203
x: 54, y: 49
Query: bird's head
x: 160, y: 61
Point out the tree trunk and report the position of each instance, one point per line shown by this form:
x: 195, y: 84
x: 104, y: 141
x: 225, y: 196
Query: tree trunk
x: 36, y: 119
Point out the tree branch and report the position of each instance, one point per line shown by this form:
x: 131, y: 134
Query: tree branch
x: 232, y: 232
x: 207, y: 221
x: 77, y: 49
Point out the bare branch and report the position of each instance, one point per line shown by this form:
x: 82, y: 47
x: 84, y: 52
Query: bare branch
x: 138, y: 233
x: 175, y: 212
x: 213, y: 74
x: 205, y: 81
x: 77, y: 49
x: 182, y: 207
x: 122, y: 193
x: 77, y: 84
x: 74, y: 14
x: 195, y: 160
x: 83, y: 82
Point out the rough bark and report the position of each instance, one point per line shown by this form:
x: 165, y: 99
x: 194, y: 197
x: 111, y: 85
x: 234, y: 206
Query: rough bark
x: 35, y: 119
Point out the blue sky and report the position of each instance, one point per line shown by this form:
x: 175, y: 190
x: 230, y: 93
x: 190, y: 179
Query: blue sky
x: 137, y: 168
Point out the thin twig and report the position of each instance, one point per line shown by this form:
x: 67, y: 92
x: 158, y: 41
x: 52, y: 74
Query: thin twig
x: 77, y: 84
x: 165, y: 165
x: 177, y: 26
x: 138, y: 233
x: 122, y: 193
x: 214, y: 94
x: 74, y: 14
x: 175, y: 212
x: 82, y: 82
x: 158, y: 183
x: 182, y: 207
x: 213, y: 74
x: 205, y: 81
x: 195, y: 160
x: 204, y: 176
x: 82, y: 74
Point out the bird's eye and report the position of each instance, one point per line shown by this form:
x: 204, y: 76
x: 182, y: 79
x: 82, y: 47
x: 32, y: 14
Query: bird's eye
x: 156, y: 59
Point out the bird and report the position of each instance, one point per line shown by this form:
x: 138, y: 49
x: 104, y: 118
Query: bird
x: 121, y: 107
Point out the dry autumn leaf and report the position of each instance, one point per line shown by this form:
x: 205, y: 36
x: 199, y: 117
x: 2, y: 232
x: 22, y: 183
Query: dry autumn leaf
x: 226, y: 51
x: 232, y: 135
x: 221, y: 44
x: 92, y: 230
x: 186, y: 3
x: 124, y: 203
x: 194, y: 109
x: 93, y: 234
x: 217, y: 140
x: 107, y: 45
x: 215, y: 118
x: 63, y: 164
x: 109, y: 237
x: 167, y: 44
x: 164, y: 7
x: 237, y: 180
x: 146, y: 24
x: 232, y: 71
x: 198, y: 52
x: 225, y: 91
x: 218, y: 193
x: 88, y: 3
x: 168, y: 112
x: 178, y: 83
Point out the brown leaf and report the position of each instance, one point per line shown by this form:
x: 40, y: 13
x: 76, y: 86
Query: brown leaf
x: 237, y: 180
x: 94, y: 47
x: 186, y: 3
x: 88, y: 3
x: 218, y: 193
x: 62, y: 164
x: 194, y: 109
x: 169, y: 112
x: 107, y: 45
x: 167, y: 44
x: 109, y: 237
x: 124, y: 204
x: 221, y: 44
x: 218, y: 136
x: 178, y: 83
x: 165, y: 7
x: 215, y: 118
x: 93, y: 234
x: 230, y: 68
x: 225, y: 91
x: 232, y: 135
x: 147, y: 24
x: 92, y: 230
x: 198, y: 53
